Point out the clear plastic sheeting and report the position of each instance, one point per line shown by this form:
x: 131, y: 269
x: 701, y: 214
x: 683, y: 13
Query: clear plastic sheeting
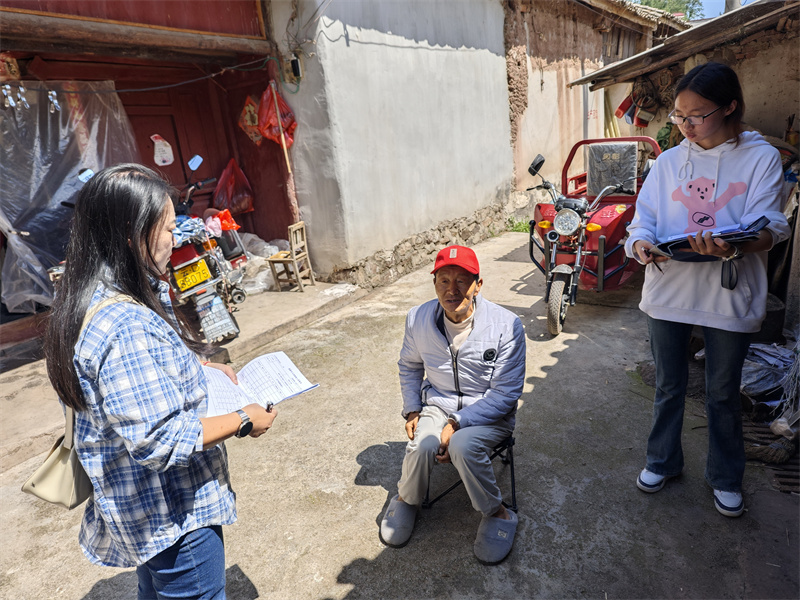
x: 765, y: 369
x: 41, y: 155
x: 257, y: 274
x: 255, y: 246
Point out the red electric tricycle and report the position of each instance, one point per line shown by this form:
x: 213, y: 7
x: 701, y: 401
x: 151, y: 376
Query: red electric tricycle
x: 579, y: 235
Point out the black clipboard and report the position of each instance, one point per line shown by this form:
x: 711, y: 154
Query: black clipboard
x: 680, y: 249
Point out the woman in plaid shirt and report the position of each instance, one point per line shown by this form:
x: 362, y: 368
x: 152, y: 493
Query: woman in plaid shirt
x: 132, y: 374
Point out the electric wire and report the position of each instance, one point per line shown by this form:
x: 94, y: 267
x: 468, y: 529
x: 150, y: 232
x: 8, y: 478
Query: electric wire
x: 321, y: 10
x: 261, y: 62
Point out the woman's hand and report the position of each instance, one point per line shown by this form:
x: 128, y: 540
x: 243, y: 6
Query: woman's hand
x: 703, y: 243
x: 225, y: 369
x: 642, y: 249
x: 260, y: 417
x: 220, y: 428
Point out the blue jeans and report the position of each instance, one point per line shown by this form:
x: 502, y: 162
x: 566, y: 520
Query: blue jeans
x: 725, y: 354
x: 193, y: 567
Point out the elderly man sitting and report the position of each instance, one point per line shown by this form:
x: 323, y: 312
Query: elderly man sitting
x: 462, y: 368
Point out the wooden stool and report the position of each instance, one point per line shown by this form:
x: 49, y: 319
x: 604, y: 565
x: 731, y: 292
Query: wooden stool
x: 294, y: 263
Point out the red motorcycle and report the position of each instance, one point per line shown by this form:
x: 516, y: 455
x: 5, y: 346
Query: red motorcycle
x: 207, y: 271
x: 581, y: 235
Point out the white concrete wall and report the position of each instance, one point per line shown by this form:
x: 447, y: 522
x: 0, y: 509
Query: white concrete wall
x: 557, y: 117
x: 403, y: 119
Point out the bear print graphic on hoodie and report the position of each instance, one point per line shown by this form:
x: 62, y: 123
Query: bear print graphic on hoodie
x: 750, y: 176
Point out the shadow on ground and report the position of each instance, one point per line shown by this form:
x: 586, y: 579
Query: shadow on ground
x: 237, y: 587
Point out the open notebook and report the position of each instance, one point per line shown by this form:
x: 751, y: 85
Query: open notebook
x: 268, y: 379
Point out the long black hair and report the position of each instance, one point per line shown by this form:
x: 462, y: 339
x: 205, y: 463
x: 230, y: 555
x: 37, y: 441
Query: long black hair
x: 719, y: 84
x: 116, y: 215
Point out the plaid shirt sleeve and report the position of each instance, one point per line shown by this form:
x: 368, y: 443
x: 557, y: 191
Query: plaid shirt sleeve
x: 151, y: 396
x: 137, y: 440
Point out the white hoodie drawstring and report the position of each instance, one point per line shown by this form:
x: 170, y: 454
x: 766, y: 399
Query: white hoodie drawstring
x: 716, y: 180
x: 687, y: 169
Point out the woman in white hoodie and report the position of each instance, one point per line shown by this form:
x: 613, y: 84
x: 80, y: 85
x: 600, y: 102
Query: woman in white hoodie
x: 719, y: 177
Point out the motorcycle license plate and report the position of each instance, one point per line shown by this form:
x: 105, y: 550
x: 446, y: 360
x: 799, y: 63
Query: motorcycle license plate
x: 193, y: 275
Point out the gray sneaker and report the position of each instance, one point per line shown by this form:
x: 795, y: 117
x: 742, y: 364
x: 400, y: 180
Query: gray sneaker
x: 398, y: 523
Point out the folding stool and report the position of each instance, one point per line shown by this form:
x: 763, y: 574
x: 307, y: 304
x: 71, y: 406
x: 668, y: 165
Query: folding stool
x: 505, y: 450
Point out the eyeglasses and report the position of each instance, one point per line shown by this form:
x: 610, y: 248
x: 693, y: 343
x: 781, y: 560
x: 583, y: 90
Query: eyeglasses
x: 693, y: 120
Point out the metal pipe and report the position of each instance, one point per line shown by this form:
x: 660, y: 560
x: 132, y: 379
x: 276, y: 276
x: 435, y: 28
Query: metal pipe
x: 601, y: 263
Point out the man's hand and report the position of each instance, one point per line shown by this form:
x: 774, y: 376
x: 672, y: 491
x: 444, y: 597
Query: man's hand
x: 443, y: 456
x: 225, y: 369
x: 412, y: 420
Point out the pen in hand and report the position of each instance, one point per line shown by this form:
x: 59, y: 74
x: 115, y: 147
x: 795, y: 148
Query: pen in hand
x: 269, y: 407
x: 657, y: 266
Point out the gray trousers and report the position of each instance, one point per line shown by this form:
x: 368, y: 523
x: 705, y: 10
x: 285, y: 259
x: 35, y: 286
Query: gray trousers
x: 468, y: 448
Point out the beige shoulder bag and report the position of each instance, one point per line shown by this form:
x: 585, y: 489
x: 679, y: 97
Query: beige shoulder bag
x: 61, y: 479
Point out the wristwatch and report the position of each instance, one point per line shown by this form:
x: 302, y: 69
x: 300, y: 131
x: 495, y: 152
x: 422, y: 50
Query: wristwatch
x: 247, y: 425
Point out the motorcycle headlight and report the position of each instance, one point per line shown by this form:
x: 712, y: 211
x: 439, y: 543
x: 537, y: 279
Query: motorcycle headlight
x: 567, y: 221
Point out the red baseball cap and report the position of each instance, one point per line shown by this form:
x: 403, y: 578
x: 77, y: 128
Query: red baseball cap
x: 459, y: 256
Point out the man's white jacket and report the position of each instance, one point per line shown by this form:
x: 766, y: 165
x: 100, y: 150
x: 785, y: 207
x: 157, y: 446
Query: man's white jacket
x: 482, y: 382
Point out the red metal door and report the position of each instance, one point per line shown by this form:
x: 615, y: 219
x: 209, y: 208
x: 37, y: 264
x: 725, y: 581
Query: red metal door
x: 183, y: 118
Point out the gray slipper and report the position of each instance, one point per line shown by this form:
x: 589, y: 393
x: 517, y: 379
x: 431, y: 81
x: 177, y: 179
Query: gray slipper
x: 398, y: 523
x: 495, y: 538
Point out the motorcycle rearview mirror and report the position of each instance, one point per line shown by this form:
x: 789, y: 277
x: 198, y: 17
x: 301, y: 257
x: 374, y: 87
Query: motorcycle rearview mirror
x: 195, y: 162
x: 606, y: 191
x: 648, y: 165
x: 536, y: 165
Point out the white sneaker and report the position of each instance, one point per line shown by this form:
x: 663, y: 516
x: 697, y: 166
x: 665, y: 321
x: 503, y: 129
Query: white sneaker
x: 649, y: 482
x: 729, y: 504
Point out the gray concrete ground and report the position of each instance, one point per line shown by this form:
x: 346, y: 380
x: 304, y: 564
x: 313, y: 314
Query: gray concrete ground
x: 312, y: 491
x: 262, y: 319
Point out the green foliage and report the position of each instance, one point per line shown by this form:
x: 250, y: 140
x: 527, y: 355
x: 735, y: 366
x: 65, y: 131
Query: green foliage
x: 693, y: 9
x: 515, y: 225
